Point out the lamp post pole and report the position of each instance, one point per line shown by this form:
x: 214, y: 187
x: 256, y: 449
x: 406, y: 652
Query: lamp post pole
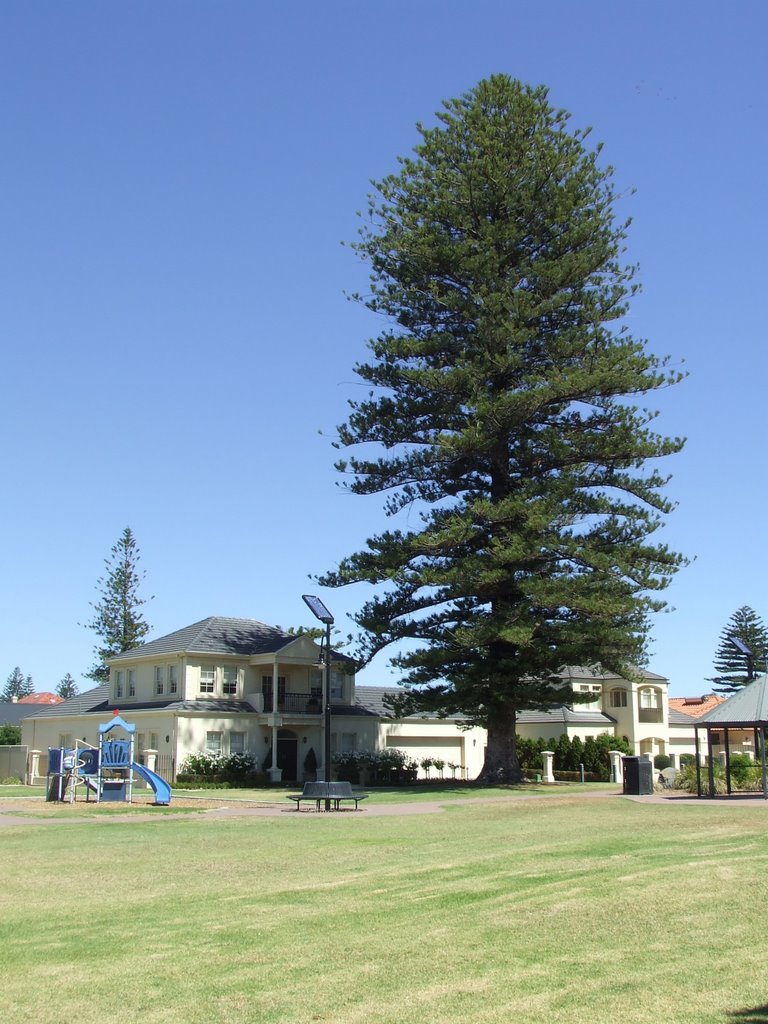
x: 320, y: 612
x: 327, y: 737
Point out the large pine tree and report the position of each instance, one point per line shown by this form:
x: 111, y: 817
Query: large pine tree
x: 117, y: 620
x: 737, y: 663
x: 500, y: 422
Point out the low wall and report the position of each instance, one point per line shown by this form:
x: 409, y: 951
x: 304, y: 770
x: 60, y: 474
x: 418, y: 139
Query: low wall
x: 13, y: 762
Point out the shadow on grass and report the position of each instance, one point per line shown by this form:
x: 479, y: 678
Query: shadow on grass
x: 751, y: 1015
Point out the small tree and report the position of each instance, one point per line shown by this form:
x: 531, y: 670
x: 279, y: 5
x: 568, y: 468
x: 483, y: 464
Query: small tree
x: 735, y: 662
x: 10, y: 735
x: 67, y: 687
x: 117, y: 620
x: 17, y: 685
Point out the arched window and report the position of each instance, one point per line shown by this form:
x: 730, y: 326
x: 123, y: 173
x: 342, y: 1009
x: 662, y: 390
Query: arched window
x: 649, y: 699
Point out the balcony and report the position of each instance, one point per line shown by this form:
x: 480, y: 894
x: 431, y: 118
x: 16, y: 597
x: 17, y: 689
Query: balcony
x: 650, y: 715
x: 293, y: 703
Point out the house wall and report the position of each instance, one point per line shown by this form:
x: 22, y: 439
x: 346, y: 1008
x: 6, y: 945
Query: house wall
x: 436, y: 738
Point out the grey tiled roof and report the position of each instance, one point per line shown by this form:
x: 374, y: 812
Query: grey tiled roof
x: 214, y: 635
x: 12, y: 712
x: 80, y: 704
x: 372, y: 699
x: 218, y: 635
x: 680, y: 718
x: 565, y: 716
x: 580, y: 672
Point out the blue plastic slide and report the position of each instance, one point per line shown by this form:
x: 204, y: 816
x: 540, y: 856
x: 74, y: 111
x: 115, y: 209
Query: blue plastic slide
x: 160, y: 786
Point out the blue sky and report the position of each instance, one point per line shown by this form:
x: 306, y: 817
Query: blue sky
x: 177, y: 179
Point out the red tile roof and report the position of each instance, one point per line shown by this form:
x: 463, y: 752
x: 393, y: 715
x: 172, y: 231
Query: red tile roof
x: 40, y: 698
x: 695, y: 707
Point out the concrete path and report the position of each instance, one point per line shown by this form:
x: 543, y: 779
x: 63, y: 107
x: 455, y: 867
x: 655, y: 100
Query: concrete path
x: 12, y: 813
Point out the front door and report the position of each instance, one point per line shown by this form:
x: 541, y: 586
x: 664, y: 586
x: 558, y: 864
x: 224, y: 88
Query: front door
x: 288, y: 754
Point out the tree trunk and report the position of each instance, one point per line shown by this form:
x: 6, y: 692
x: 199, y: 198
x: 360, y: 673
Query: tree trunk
x: 501, y: 764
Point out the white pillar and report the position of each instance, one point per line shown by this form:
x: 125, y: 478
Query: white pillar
x: 616, y: 770
x: 275, y: 773
x: 150, y: 759
x: 33, y: 763
x: 548, y: 757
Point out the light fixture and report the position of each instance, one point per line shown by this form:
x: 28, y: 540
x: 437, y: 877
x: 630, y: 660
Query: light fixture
x: 320, y: 612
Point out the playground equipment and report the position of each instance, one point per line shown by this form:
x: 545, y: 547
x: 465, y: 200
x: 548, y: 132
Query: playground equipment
x: 106, y: 771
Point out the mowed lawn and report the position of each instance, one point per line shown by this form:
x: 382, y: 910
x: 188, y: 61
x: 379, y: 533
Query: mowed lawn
x: 554, y: 909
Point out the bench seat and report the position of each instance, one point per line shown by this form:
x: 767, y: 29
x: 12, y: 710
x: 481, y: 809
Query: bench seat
x: 335, y: 792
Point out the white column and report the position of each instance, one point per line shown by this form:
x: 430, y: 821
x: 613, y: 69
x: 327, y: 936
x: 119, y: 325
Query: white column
x: 150, y: 759
x: 33, y: 763
x: 275, y: 773
x: 616, y: 769
x: 548, y: 757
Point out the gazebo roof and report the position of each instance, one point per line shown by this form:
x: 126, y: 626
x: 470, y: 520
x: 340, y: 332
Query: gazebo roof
x: 746, y: 708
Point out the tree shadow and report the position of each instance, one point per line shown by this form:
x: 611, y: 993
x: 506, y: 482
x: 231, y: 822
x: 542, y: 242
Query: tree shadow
x: 750, y: 1015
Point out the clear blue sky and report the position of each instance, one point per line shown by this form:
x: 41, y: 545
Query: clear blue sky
x: 177, y: 178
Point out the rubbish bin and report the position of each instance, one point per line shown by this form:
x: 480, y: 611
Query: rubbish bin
x: 638, y: 776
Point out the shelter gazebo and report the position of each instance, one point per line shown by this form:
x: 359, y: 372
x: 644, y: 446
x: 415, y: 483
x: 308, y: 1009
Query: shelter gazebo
x: 746, y: 710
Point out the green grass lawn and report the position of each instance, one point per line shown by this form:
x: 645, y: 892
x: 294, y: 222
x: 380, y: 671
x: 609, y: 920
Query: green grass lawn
x: 555, y: 909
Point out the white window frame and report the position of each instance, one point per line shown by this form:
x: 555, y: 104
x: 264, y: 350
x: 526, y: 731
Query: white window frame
x: 159, y: 680
x: 118, y: 684
x: 618, y: 698
x: 241, y: 745
x: 173, y: 679
x: 213, y: 741
x: 230, y: 681
x: 210, y: 683
x: 337, y: 684
x: 131, y: 682
x: 649, y: 699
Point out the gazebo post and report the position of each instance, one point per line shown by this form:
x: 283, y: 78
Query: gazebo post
x: 698, y: 761
x: 710, y: 764
x: 727, y: 734
x: 762, y: 761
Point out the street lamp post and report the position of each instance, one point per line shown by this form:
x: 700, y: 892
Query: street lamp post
x: 320, y: 612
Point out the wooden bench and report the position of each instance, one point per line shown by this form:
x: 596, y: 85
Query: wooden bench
x: 334, y: 792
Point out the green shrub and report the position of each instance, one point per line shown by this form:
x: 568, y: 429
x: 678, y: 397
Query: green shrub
x: 234, y: 768
x: 10, y: 735
x: 686, y: 778
x: 741, y: 768
x: 202, y: 763
x: 529, y: 753
x: 661, y: 761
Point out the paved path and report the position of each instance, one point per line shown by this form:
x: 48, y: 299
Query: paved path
x: 12, y: 814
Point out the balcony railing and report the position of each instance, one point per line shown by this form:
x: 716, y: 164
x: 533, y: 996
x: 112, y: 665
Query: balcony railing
x: 651, y: 715
x: 293, y: 703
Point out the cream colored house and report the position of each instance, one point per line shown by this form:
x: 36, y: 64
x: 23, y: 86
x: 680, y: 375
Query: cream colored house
x: 636, y: 710
x: 239, y: 686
